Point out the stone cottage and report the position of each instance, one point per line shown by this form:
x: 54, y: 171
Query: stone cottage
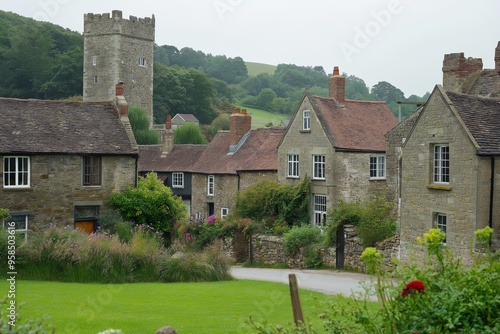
x: 61, y: 160
x: 340, y: 145
x: 449, y: 170
x: 233, y: 160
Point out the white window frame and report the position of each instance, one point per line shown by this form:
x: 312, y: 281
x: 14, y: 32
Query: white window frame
x: 319, y: 208
x: 142, y: 61
x: 11, y: 220
x: 306, y: 120
x: 293, y: 166
x: 210, y: 185
x: 94, y: 60
x: 440, y: 222
x: 441, y: 164
x: 178, y: 180
x: 319, y: 167
x: 21, y: 174
x: 377, y: 167
x: 224, y: 212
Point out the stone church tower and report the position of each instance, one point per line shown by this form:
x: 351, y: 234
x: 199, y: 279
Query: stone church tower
x: 119, y: 50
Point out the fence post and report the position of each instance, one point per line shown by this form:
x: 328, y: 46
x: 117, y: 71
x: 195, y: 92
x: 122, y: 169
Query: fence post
x: 298, y: 316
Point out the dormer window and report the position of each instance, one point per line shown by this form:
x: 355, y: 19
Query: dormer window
x: 306, y: 120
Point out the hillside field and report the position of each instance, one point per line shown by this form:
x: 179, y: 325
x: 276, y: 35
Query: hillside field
x: 260, y: 118
x: 257, y: 68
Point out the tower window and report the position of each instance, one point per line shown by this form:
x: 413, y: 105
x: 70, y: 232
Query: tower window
x: 94, y: 60
x: 95, y: 79
x: 142, y: 61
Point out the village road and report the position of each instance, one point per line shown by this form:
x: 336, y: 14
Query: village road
x: 326, y: 281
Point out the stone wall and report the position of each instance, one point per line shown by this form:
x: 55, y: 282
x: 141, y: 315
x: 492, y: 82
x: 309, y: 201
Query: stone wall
x: 117, y: 45
x: 270, y: 250
x: 56, y: 188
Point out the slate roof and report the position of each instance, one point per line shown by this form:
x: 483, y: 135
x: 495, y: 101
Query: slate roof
x: 62, y: 127
x: 181, y: 159
x: 481, y: 115
x: 259, y: 152
x: 186, y: 117
x: 354, y: 125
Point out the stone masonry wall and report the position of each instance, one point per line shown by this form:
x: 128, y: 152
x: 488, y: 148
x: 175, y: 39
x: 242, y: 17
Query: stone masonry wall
x: 117, y: 45
x: 421, y: 199
x: 56, y: 188
x: 270, y: 250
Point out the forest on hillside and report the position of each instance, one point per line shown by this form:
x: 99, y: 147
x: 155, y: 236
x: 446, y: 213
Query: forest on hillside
x: 45, y: 61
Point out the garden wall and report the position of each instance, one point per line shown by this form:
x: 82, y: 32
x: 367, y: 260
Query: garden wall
x: 268, y: 249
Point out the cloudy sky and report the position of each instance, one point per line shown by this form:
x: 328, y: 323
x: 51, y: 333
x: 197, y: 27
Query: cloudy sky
x: 399, y: 41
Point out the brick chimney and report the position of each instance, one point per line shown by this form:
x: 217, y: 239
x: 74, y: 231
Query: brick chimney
x: 121, y: 103
x: 239, y: 124
x: 168, y: 136
x: 457, y: 69
x: 336, y: 86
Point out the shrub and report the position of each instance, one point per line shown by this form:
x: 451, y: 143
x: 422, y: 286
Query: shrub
x: 151, y: 203
x: 274, y: 203
x: 21, y: 326
x: 299, y: 237
x: 373, y: 220
x: 74, y: 256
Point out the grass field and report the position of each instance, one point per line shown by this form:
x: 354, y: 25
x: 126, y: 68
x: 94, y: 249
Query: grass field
x: 257, y: 68
x: 262, y: 117
x: 197, y: 308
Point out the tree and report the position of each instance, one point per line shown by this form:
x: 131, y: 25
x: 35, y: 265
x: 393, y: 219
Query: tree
x: 139, y: 122
x: 67, y: 76
x: 151, y: 203
x: 189, y: 133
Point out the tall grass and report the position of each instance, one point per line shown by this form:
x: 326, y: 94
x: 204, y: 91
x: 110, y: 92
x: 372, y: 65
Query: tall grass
x: 74, y: 256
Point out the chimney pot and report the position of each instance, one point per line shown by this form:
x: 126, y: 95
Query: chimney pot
x: 168, y: 123
x: 244, y: 111
x: 119, y: 89
x: 336, y: 85
x: 235, y: 110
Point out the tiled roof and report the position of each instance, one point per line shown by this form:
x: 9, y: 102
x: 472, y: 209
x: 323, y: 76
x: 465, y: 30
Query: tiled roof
x: 258, y: 153
x: 355, y: 125
x: 482, y: 117
x: 187, y: 117
x: 37, y: 126
x: 181, y: 159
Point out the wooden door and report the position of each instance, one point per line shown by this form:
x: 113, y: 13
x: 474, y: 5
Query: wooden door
x: 86, y: 225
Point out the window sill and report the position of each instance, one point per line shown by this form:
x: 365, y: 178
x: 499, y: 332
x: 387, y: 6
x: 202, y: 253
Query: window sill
x: 377, y: 179
x: 439, y: 187
x: 305, y: 131
x: 292, y: 177
x: 313, y: 179
x: 18, y: 188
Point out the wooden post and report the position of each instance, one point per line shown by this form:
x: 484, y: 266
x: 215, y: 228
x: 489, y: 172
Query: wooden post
x: 298, y: 316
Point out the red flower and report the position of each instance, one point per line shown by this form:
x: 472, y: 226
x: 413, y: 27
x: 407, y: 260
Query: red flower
x: 412, y: 287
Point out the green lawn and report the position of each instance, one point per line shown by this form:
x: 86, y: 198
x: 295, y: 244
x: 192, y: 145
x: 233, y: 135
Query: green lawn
x: 262, y: 117
x: 220, y: 307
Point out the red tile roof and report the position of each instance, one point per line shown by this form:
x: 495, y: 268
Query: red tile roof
x: 355, y: 125
x: 259, y: 152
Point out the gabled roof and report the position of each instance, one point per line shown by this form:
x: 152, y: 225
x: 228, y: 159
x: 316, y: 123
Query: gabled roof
x: 63, y: 127
x: 354, y: 125
x: 481, y: 116
x: 181, y: 159
x: 259, y: 152
x: 186, y: 117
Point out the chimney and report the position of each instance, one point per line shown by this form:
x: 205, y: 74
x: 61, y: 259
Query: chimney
x: 239, y: 125
x: 336, y: 86
x: 120, y: 101
x: 168, y: 136
x: 457, y: 69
